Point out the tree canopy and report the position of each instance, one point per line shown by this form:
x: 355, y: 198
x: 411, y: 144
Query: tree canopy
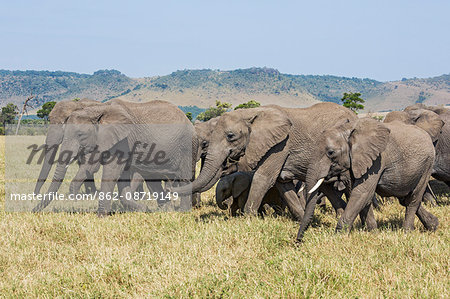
x: 352, y: 101
x: 9, y: 113
x: 44, y: 112
x: 249, y: 104
x: 216, y: 111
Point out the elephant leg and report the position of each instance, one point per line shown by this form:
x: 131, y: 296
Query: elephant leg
x: 428, y: 196
x: 428, y: 220
x: 137, y: 181
x: 413, y: 202
x: 259, y: 187
x: 360, y: 198
x: 234, y: 207
x: 110, y: 176
x: 376, y: 202
x: 80, y: 178
x: 89, y: 184
x: 196, y: 200
x: 264, y: 178
x: 289, y: 195
x: 335, y: 197
x: 321, y: 202
x: 124, y: 185
x: 278, y: 210
x: 368, y: 218
x: 185, y: 200
x: 154, y: 186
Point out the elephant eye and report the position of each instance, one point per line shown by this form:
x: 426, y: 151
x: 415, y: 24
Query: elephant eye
x: 231, y: 136
x: 330, y: 153
x: 204, y: 144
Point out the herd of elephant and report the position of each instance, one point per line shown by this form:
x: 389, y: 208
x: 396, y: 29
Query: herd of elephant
x: 261, y: 156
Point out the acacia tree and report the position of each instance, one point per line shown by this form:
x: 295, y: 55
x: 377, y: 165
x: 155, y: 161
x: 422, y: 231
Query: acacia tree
x: 216, y: 111
x: 249, y: 104
x: 9, y: 113
x: 352, y: 101
x: 44, y: 112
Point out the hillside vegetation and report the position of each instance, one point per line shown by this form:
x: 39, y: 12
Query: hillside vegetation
x: 202, y: 88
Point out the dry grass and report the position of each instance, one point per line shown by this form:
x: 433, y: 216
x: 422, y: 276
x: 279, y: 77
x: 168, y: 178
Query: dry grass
x: 206, y: 253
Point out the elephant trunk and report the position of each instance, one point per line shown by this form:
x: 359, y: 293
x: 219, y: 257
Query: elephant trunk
x: 307, y: 217
x: 314, y: 178
x: 209, y: 175
x: 52, y: 142
x: 220, y: 202
x: 221, y: 196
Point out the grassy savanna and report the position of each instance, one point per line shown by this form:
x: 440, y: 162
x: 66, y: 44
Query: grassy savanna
x: 206, y: 252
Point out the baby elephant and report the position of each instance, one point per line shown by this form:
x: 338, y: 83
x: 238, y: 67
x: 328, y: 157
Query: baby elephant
x: 232, y: 191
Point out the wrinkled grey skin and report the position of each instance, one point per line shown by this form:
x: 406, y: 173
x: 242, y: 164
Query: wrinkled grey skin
x: 122, y: 137
x: 392, y: 159
x: 203, y: 132
x: 232, y: 192
x: 58, y: 117
x: 277, y: 143
x: 427, y: 117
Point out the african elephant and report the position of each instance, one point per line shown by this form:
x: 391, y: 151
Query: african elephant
x: 58, y: 117
x: 391, y: 159
x: 128, y: 131
x: 235, y: 188
x: 277, y: 143
x: 427, y: 117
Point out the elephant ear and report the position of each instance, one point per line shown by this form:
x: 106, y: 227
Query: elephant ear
x: 269, y: 126
x: 429, y: 121
x: 241, y: 182
x: 113, y: 124
x: 367, y: 140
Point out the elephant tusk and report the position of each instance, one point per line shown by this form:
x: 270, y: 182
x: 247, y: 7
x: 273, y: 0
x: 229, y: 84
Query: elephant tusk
x: 70, y: 162
x: 316, y: 186
x: 301, y: 188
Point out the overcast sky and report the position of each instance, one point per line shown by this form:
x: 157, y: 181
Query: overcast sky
x: 383, y: 40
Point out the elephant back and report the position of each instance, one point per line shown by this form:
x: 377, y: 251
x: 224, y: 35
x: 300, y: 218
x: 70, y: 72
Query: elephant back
x: 154, y: 112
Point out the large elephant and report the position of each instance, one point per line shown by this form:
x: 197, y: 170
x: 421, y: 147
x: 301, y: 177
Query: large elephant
x: 125, y: 128
x: 235, y: 187
x: 277, y: 143
x: 392, y: 159
x: 58, y: 117
x: 427, y: 117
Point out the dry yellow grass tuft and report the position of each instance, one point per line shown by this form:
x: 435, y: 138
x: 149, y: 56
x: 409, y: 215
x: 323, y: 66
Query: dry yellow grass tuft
x: 207, y: 253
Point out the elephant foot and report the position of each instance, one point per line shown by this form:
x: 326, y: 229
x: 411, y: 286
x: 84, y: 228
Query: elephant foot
x: 343, y: 227
x: 339, y: 213
x: 428, y: 197
x: 371, y: 224
x: 428, y: 220
x: 196, y: 200
x: 250, y: 212
x: 102, y: 214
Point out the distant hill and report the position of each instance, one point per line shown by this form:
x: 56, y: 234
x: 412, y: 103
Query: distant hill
x: 202, y: 88
x: 15, y: 86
